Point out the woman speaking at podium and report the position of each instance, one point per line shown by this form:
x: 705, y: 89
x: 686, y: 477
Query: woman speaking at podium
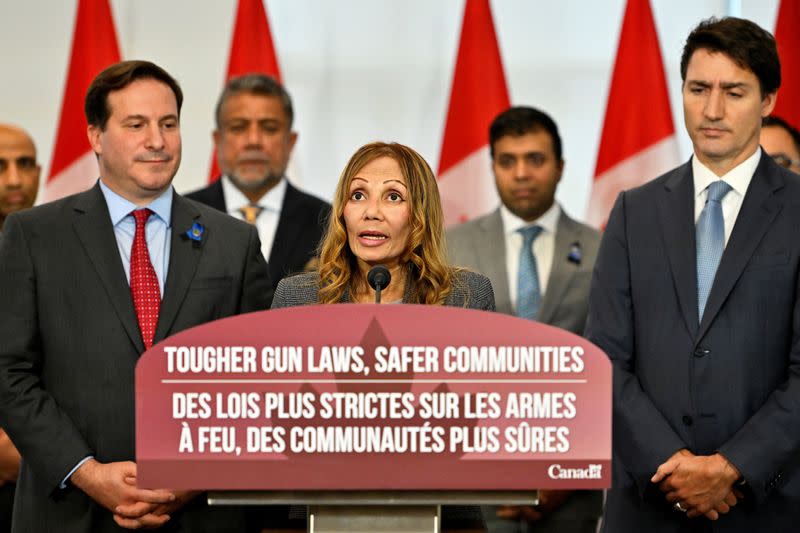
x: 386, y: 211
x: 385, y: 243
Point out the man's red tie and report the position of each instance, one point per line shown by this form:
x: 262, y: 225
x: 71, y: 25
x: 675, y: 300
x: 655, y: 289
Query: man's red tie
x: 144, y: 282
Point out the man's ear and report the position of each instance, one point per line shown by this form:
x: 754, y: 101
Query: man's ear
x: 768, y: 104
x: 94, y: 133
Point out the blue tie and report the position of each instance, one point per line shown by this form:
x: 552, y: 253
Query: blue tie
x: 529, y: 295
x: 710, y: 242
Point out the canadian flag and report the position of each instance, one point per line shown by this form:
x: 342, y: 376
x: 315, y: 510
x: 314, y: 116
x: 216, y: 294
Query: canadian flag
x: 638, y: 141
x: 73, y: 167
x: 788, y: 105
x: 251, y: 51
x: 478, y: 94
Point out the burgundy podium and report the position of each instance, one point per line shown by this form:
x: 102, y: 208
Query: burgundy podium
x: 373, y: 415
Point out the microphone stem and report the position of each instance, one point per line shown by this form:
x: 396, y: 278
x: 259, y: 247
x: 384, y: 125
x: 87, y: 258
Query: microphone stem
x: 378, y: 294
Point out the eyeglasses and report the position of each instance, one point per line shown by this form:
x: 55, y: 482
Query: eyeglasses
x: 784, y: 161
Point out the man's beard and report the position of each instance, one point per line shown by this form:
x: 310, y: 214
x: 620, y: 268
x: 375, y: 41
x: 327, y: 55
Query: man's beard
x: 267, y: 182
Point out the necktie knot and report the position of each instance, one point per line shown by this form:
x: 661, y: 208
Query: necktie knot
x: 141, y: 216
x: 529, y: 234
x: 250, y: 212
x: 718, y: 190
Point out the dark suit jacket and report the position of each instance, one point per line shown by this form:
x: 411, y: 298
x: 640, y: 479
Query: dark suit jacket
x: 301, y: 226
x: 730, y: 383
x: 480, y: 244
x: 70, y: 338
x: 7, y: 490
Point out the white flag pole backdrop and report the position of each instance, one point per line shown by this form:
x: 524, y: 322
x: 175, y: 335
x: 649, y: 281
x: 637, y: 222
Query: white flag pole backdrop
x: 358, y: 70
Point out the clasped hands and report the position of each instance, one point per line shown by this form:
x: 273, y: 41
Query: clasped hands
x: 703, y: 485
x: 113, y: 485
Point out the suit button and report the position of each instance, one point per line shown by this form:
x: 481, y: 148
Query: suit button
x: 687, y: 420
x: 701, y: 352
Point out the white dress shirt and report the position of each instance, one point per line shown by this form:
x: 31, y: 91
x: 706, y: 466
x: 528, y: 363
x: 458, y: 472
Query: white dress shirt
x: 738, y: 178
x: 543, y: 246
x: 267, y: 221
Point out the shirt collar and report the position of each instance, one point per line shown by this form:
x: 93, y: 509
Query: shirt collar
x: 738, y: 177
x: 119, y: 207
x: 548, y: 221
x: 235, y: 199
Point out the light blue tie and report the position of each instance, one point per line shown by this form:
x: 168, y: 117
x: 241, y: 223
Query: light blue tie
x: 529, y: 294
x: 710, y: 242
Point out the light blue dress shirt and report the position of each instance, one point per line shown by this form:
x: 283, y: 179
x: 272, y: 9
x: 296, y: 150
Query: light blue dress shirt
x: 157, y: 233
x: 157, y: 230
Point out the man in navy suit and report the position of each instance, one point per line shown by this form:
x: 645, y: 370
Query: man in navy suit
x: 695, y: 299
x: 254, y: 140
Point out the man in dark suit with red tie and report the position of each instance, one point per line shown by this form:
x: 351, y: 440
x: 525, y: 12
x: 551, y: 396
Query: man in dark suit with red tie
x: 695, y: 298
x: 254, y: 140
x: 90, y: 282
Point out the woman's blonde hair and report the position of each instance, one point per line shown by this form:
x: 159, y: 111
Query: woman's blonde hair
x: 425, y: 256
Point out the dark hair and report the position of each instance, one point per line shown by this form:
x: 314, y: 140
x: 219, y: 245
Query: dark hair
x: 259, y: 84
x: 520, y: 120
x: 744, y: 42
x: 778, y: 122
x: 117, y: 77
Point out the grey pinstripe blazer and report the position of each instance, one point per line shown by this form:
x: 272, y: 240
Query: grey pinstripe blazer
x: 470, y: 290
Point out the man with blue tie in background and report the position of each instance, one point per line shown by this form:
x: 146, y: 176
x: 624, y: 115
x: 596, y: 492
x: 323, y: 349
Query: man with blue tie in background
x: 695, y: 300
x: 539, y: 261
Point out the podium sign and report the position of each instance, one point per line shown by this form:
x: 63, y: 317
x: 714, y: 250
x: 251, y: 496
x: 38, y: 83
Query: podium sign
x: 373, y: 397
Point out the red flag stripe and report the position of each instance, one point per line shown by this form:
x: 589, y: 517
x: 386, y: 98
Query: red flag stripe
x: 638, y: 113
x: 788, y: 37
x: 252, y: 50
x: 94, y: 47
x: 479, y: 89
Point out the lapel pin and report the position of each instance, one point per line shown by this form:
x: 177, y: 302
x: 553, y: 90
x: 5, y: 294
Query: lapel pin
x: 195, y: 234
x: 575, y: 253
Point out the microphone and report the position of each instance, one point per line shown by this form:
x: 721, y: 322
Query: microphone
x: 379, y: 278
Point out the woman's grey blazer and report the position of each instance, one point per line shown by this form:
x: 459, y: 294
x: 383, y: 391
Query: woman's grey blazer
x: 470, y: 290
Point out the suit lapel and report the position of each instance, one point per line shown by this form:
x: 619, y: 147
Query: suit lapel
x: 216, y: 197
x: 676, y: 213
x: 290, y: 223
x: 562, y: 271
x: 759, y: 208
x: 184, y: 255
x: 491, y: 258
x: 92, y: 224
